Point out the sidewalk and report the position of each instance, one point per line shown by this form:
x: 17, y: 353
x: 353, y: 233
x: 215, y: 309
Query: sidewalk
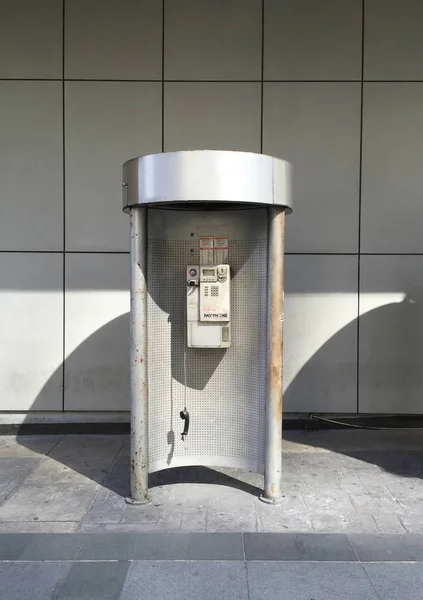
x: 334, y: 482
x: 228, y: 566
x: 350, y: 526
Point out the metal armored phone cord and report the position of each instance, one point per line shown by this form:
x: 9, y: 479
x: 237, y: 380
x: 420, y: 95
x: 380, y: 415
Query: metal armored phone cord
x: 184, y: 414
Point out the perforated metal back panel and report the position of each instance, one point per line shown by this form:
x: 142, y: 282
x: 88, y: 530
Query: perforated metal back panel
x: 223, y: 390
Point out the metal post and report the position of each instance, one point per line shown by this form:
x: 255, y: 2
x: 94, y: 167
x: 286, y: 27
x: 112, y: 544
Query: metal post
x: 273, y: 447
x: 138, y: 358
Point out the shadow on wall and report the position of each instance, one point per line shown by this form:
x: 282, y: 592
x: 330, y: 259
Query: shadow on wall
x: 391, y: 380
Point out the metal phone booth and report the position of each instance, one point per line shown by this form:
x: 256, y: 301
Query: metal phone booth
x: 207, y: 263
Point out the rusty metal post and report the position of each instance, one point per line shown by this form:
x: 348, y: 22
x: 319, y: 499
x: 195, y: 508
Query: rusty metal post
x: 138, y: 358
x: 273, y: 430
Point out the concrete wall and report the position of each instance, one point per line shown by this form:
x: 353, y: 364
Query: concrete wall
x: 91, y: 83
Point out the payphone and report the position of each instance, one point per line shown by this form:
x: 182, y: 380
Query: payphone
x: 208, y: 296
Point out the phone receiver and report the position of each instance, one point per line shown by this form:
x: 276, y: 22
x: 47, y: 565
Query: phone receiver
x: 184, y: 414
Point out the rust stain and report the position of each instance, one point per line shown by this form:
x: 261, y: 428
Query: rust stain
x: 272, y: 490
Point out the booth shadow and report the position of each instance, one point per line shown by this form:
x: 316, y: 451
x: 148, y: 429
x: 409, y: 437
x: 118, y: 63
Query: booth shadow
x: 395, y: 334
x: 391, y: 347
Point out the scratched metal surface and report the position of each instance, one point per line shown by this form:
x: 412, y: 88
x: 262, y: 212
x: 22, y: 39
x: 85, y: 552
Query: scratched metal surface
x: 225, y: 391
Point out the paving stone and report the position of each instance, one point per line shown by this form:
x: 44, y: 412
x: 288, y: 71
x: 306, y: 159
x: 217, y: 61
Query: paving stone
x: 216, y: 546
x: 396, y: 580
x: 271, y: 546
x: 45, y: 546
x: 39, y: 546
x: 169, y: 521
x: 351, y: 484
x: 108, y: 546
x: 39, y: 527
x: 376, y: 505
x: 115, y: 528
x: 219, y: 521
x: 317, y: 461
x: 71, y: 446
x: 194, y: 521
x: 322, y: 482
x: 186, y: 581
x: 308, y: 581
x: 412, y: 523
x: 388, y: 524
x: 13, y: 472
x: 108, y: 508
x: 415, y: 543
x: 278, y: 522
x: 145, y: 513
x: 334, y: 502
x: 27, y: 446
x: 373, y: 484
x: 325, y: 547
x: 379, y: 547
x: 31, y: 581
x: 12, y: 545
x: 358, y: 461
x: 344, y: 524
x: 86, y: 581
x: 407, y: 489
x: 50, y: 503
x: 412, y: 507
x: 78, y: 471
x: 117, y: 479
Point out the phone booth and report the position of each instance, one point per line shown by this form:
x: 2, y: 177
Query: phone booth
x: 207, y: 243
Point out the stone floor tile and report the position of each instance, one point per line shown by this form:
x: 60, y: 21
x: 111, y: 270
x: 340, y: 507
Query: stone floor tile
x: 108, y: 508
x: 50, y: 472
x: 216, y: 546
x: 376, y: 505
x: 412, y: 507
x: 48, y: 503
x: 194, y: 521
x: 27, y: 446
x: 415, y: 543
x: 219, y: 521
x: 306, y: 581
x: 373, y: 484
x: 144, y: 513
x: 388, y: 524
x: 89, y: 580
x: 412, y: 523
x: 13, y: 472
x: 336, y: 523
x: 12, y: 545
x: 39, y: 527
x: 271, y: 546
x: 108, y: 546
x: 380, y: 547
x: 278, y: 522
x: 396, y: 580
x: 325, y: 547
x: 116, y: 527
x: 333, y: 502
x: 344, y: 524
x: 186, y: 581
x: 57, y: 547
x: 31, y: 581
x: 407, y: 489
x: 71, y: 446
